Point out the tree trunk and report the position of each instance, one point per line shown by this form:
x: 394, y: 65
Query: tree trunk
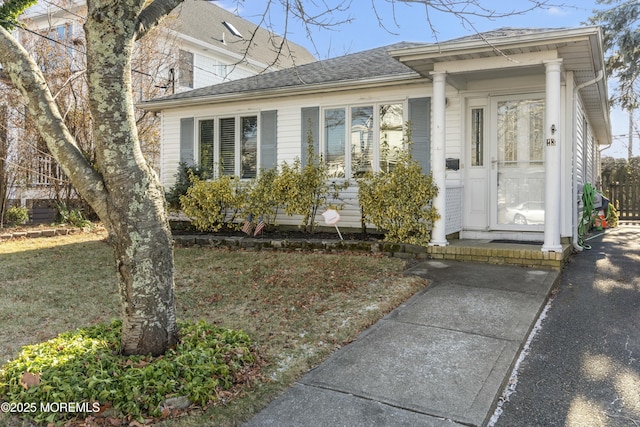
x: 137, y: 221
x: 144, y: 260
x: 120, y: 186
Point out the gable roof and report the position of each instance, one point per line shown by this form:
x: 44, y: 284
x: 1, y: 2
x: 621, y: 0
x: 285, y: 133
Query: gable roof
x: 370, y: 65
x: 581, y: 50
x: 214, y: 25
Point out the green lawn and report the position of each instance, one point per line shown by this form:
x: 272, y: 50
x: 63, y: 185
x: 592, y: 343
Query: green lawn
x: 297, y: 307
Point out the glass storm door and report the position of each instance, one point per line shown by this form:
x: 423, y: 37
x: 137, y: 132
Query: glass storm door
x: 519, y: 164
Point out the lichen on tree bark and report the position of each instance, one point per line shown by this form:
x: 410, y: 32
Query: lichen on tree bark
x: 121, y: 187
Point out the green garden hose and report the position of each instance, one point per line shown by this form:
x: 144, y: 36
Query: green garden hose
x: 588, y: 195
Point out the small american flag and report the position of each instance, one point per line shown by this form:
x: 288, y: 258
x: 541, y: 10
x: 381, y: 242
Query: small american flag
x: 259, y: 227
x: 248, y: 226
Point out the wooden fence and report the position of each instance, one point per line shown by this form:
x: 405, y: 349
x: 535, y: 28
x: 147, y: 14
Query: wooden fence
x: 626, y: 197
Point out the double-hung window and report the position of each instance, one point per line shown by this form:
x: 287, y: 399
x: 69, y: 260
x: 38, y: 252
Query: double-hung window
x: 229, y: 146
x: 363, y: 138
x: 237, y: 145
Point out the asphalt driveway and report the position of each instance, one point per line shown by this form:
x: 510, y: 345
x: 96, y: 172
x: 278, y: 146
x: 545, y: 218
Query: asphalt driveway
x: 583, y: 365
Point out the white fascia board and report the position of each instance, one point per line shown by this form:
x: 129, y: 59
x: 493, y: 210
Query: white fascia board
x: 496, y: 62
x: 494, y: 45
x: 274, y: 93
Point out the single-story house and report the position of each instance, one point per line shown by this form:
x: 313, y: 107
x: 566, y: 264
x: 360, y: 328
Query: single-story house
x: 508, y: 122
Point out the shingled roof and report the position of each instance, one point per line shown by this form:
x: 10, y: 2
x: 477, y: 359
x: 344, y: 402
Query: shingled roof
x: 205, y: 21
x: 357, y: 67
x: 369, y: 64
x: 501, y: 32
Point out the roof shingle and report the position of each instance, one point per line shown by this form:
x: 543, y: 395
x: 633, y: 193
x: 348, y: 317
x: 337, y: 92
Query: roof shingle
x: 357, y: 66
x: 204, y: 21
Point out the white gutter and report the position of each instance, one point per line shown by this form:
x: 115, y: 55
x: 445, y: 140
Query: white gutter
x: 574, y: 205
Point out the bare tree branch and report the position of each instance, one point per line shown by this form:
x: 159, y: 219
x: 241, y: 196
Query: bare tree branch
x: 153, y: 14
x: 28, y: 79
x: 464, y: 10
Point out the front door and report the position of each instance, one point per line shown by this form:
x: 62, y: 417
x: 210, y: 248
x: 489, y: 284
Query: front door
x: 517, y: 173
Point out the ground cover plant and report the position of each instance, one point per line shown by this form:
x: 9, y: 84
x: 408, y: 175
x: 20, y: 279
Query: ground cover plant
x: 295, y: 308
x: 84, y: 367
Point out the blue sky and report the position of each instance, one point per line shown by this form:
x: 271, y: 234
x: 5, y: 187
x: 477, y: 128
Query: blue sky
x: 410, y: 22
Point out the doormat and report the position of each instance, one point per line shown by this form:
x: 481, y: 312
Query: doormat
x: 518, y: 242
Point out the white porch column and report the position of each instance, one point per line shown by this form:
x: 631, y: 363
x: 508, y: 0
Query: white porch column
x: 438, y: 158
x: 552, y: 153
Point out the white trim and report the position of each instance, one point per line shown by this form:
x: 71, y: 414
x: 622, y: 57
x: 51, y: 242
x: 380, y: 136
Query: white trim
x: 492, y: 44
x: 237, y: 156
x: 552, y: 156
x: 496, y: 63
x: 375, y: 158
x: 438, y: 156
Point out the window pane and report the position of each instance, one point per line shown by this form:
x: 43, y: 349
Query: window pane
x: 227, y: 146
x: 206, y: 146
x: 334, y: 134
x: 536, y: 136
x: 520, y: 136
x: 361, y: 140
x: 477, y: 137
x: 391, y: 137
x: 249, y: 147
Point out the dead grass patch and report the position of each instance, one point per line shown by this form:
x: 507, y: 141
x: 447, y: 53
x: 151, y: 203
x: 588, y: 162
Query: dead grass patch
x: 297, y: 307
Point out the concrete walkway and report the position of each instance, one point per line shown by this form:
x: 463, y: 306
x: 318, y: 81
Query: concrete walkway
x: 440, y: 359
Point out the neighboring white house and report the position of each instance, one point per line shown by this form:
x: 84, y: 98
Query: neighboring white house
x: 509, y: 124
x: 198, y: 44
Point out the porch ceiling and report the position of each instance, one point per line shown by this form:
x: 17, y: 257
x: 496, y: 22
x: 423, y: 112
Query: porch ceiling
x: 580, y: 50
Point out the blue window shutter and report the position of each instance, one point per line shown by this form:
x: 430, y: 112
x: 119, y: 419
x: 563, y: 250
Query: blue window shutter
x: 310, y: 127
x: 268, y: 139
x: 420, y: 122
x: 186, y: 140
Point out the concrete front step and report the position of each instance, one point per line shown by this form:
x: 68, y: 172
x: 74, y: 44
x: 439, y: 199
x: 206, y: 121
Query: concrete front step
x: 527, y: 255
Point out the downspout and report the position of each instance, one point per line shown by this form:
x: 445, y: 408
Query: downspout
x: 574, y: 205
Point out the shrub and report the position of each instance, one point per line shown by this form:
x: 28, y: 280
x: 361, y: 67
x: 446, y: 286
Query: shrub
x: 71, y: 216
x: 183, y: 183
x: 261, y: 199
x: 213, y: 204
x: 399, y: 201
x: 16, y: 215
x: 304, y: 189
x: 84, y: 367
